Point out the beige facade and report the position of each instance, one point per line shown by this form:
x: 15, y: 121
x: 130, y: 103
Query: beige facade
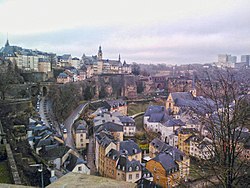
x: 81, y: 140
x: 44, y: 67
x: 128, y: 176
x: 103, y: 150
x: 171, y: 105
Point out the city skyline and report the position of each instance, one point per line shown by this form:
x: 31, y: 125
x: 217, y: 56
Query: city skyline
x: 144, y: 32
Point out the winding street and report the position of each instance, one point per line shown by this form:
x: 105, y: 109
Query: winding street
x: 70, y: 121
x: 91, y: 156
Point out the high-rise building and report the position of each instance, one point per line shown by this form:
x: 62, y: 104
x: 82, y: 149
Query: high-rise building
x: 246, y: 59
x: 226, y: 60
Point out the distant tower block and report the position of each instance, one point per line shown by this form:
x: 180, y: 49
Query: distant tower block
x: 100, y: 53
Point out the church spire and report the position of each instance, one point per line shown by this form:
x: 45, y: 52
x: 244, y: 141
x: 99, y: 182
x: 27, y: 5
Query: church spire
x: 7, y: 42
x: 119, y: 58
x: 99, y: 53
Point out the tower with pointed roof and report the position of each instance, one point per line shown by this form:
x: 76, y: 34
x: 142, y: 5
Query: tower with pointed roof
x: 99, y: 55
x: 7, y: 43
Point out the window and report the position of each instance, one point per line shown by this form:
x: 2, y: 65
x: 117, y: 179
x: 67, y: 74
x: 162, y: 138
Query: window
x: 130, y: 176
x: 130, y: 169
x: 81, y: 135
x: 81, y: 140
x: 79, y: 168
x: 137, y: 176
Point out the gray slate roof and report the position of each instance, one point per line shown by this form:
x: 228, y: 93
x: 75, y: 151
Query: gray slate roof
x: 108, y: 126
x: 113, y: 154
x: 126, y: 119
x: 54, y: 152
x: 166, y: 160
x: 73, y: 161
x: 129, y: 147
x: 125, y: 165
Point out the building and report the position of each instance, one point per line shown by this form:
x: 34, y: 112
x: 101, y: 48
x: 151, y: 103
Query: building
x: 81, y: 136
x: 75, y: 62
x: 104, y: 117
x: 129, y: 127
x: 130, y: 149
x: 27, y: 59
x: 63, y: 78
x: 76, y: 165
x: 169, y: 166
x: 183, y: 142
x: 177, y: 99
x: 165, y: 170
x: 157, y: 147
x: 201, y: 147
x: 106, y: 66
x: 245, y: 58
x: 64, y: 60
x: 116, y: 130
x: 111, y: 160
x: 157, y: 119
x: 129, y: 171
x: 104, y: 143
x: 244, y: 145
x: 44, y: 67
x: 71, y: 74
x: 226, y: 60
x: 118, y: 105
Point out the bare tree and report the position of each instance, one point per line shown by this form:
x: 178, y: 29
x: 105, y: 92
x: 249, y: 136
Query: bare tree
x: 225, y: 115
x: 8, y: 75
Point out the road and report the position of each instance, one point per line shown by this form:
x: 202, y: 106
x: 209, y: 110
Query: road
x: 47, y: 115
x: 91, y: 156
x: 70, y: 121
x: 43, y: 110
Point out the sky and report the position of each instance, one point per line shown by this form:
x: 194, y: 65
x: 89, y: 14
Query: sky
x: 142, y: 31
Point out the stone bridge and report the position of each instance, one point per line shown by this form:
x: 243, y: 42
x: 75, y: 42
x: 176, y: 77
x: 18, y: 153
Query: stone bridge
x: 42, y: 87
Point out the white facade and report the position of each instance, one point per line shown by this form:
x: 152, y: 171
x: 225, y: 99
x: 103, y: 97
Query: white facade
x: 81, y: 168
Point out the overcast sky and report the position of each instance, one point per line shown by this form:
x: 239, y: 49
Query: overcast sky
x: 144, y: 31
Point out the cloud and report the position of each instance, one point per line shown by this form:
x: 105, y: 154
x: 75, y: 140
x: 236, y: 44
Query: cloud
x: 143, y: 31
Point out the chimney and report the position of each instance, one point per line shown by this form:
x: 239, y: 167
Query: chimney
x: 173, y: 154
x: 52, y: 172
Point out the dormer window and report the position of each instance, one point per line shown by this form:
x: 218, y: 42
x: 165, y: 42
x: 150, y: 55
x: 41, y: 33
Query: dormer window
x: 123, y: 168
x: 118, y: 167
x: 137, y: 168
x: 130, y: 169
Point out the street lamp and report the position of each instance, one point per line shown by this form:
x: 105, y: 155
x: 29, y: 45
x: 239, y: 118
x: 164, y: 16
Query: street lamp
x: 40, y: 170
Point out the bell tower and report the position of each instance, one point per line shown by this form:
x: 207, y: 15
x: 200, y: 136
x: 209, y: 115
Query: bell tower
x: 99, y: 55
